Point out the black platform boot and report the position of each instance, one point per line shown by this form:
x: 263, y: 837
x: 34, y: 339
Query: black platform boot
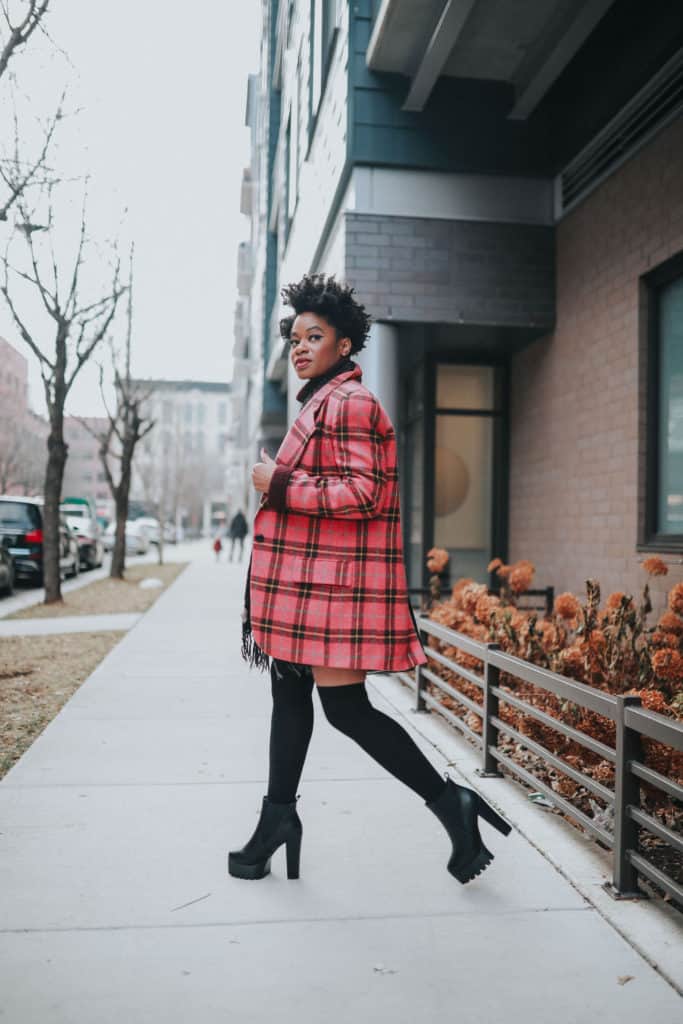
x: 458, y: 808
x: 278, y: 824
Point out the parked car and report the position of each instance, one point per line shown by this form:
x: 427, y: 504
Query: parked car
x: 137, y: 538
x: 83, y: 521
x: 6, y: 572
x: 151, y: 525
x: 21, y: 532
x: 170, y: 533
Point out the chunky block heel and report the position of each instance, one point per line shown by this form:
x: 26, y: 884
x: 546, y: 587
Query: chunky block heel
x: 487, y: 812
x: 293, y: 855
x: 278, y: 824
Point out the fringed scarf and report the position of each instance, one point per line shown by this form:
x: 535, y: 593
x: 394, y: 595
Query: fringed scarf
x: 254, y: 655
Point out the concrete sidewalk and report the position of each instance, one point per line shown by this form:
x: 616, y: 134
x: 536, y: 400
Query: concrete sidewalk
x: 116, y: 904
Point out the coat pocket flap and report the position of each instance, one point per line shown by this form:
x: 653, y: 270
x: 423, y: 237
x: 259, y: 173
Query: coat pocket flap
x: 333, y: 572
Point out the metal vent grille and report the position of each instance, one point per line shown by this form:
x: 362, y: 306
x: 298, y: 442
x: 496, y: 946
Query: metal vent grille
x: 654, y: 106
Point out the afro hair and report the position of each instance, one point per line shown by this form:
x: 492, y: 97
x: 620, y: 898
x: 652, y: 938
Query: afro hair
x: 316, y: 293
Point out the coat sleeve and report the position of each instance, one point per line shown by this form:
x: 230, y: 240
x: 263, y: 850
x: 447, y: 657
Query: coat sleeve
x: 354, y: 486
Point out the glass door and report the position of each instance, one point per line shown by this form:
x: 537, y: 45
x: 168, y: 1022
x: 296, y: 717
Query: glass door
x: 467, y: 512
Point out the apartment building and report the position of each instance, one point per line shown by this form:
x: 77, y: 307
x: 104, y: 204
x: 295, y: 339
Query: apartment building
x: 185, y: 464
x: 505, y: 193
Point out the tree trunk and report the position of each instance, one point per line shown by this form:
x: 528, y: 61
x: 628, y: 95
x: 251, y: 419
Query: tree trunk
x: 54, y: 474
x: 118, y: 558
x: 118, y: 555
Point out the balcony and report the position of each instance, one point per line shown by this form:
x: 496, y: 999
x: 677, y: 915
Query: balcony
x: 244, y: 268
x: 527, y: 47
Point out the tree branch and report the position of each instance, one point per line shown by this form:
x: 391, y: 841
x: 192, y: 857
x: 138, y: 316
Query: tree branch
x: 20, y: 34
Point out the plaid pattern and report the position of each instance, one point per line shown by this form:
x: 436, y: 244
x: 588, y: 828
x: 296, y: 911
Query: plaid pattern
x: 328, y: 583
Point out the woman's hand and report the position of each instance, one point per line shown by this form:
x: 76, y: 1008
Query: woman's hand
x: 262, y: 472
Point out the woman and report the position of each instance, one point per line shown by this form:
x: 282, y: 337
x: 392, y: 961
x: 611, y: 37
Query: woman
x: 326, y: 596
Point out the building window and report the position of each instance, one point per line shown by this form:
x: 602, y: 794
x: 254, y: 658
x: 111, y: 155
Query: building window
x: 292, y: 156
x: 664, y: 475
x: 201, y: 413
x: 325, y: 22
x: 288, y: 161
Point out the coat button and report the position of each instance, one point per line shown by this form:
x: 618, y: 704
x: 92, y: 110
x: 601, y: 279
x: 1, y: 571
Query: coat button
x: 258, y: 536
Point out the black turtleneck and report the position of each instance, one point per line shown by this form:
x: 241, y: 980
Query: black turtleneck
x: 280, y: 478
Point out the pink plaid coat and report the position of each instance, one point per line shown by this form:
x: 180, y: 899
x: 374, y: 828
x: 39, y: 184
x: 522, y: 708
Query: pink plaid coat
x: 328, y: 582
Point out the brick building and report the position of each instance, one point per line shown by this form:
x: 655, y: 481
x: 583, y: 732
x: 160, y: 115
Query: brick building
x: 23, y: 432
x: 83, y: 473
x: 506, y: 197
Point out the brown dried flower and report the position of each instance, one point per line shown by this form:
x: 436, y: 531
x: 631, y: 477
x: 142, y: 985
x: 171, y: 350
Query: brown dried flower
x: 671, y: 623
x: 471, y: 594
x: 676, y: 599
x: 614, y: 600
x: 655, y: 567
x: 437, y: 559
x: 662, y: 638
x: 653, y: 700
x: 567, y: 606
x: 520, y: 578
x: 668, y: 664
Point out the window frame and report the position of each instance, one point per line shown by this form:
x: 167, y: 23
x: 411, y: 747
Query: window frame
x: 321, y: 57
x: 653, y: 282
x: 500, y: 454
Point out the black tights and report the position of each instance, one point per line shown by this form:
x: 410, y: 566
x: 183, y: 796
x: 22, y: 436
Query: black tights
x: 348, y: 709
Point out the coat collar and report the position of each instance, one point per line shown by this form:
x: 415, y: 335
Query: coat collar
x: 291, y: 449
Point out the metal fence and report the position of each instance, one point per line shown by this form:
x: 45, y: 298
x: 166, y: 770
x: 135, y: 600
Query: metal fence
x: 422, y: 596
x: 632, y: 722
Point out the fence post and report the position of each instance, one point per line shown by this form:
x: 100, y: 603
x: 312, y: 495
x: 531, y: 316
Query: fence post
x: 419, y: 699
x: 489, y: 732
x: 624, y: 883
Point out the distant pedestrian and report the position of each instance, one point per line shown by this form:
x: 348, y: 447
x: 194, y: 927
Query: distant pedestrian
x: 218, y: 547
x: 238, y: 531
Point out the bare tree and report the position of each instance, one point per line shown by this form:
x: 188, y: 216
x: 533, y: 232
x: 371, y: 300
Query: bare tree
x: 15, y: 33
x: 77, y: 328
x: 18, y: 173
x: 128, y: 425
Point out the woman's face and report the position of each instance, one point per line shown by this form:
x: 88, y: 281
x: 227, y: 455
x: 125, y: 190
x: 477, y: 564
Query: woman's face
x: 314, y: 346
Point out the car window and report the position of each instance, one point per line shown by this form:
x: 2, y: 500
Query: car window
x: 19, y: 515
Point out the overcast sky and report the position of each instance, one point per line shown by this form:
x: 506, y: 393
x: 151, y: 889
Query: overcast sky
x: 162, y: 84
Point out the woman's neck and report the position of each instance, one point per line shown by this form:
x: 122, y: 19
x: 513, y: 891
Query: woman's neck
x: 343, y: 364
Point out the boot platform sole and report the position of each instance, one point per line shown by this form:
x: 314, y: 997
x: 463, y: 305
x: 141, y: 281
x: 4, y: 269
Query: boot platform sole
x: 248, y: 871
x: 466, y: 872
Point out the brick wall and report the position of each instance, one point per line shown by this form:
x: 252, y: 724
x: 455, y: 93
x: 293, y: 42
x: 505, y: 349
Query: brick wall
x: 577, y: 396
x: 451, y: 271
